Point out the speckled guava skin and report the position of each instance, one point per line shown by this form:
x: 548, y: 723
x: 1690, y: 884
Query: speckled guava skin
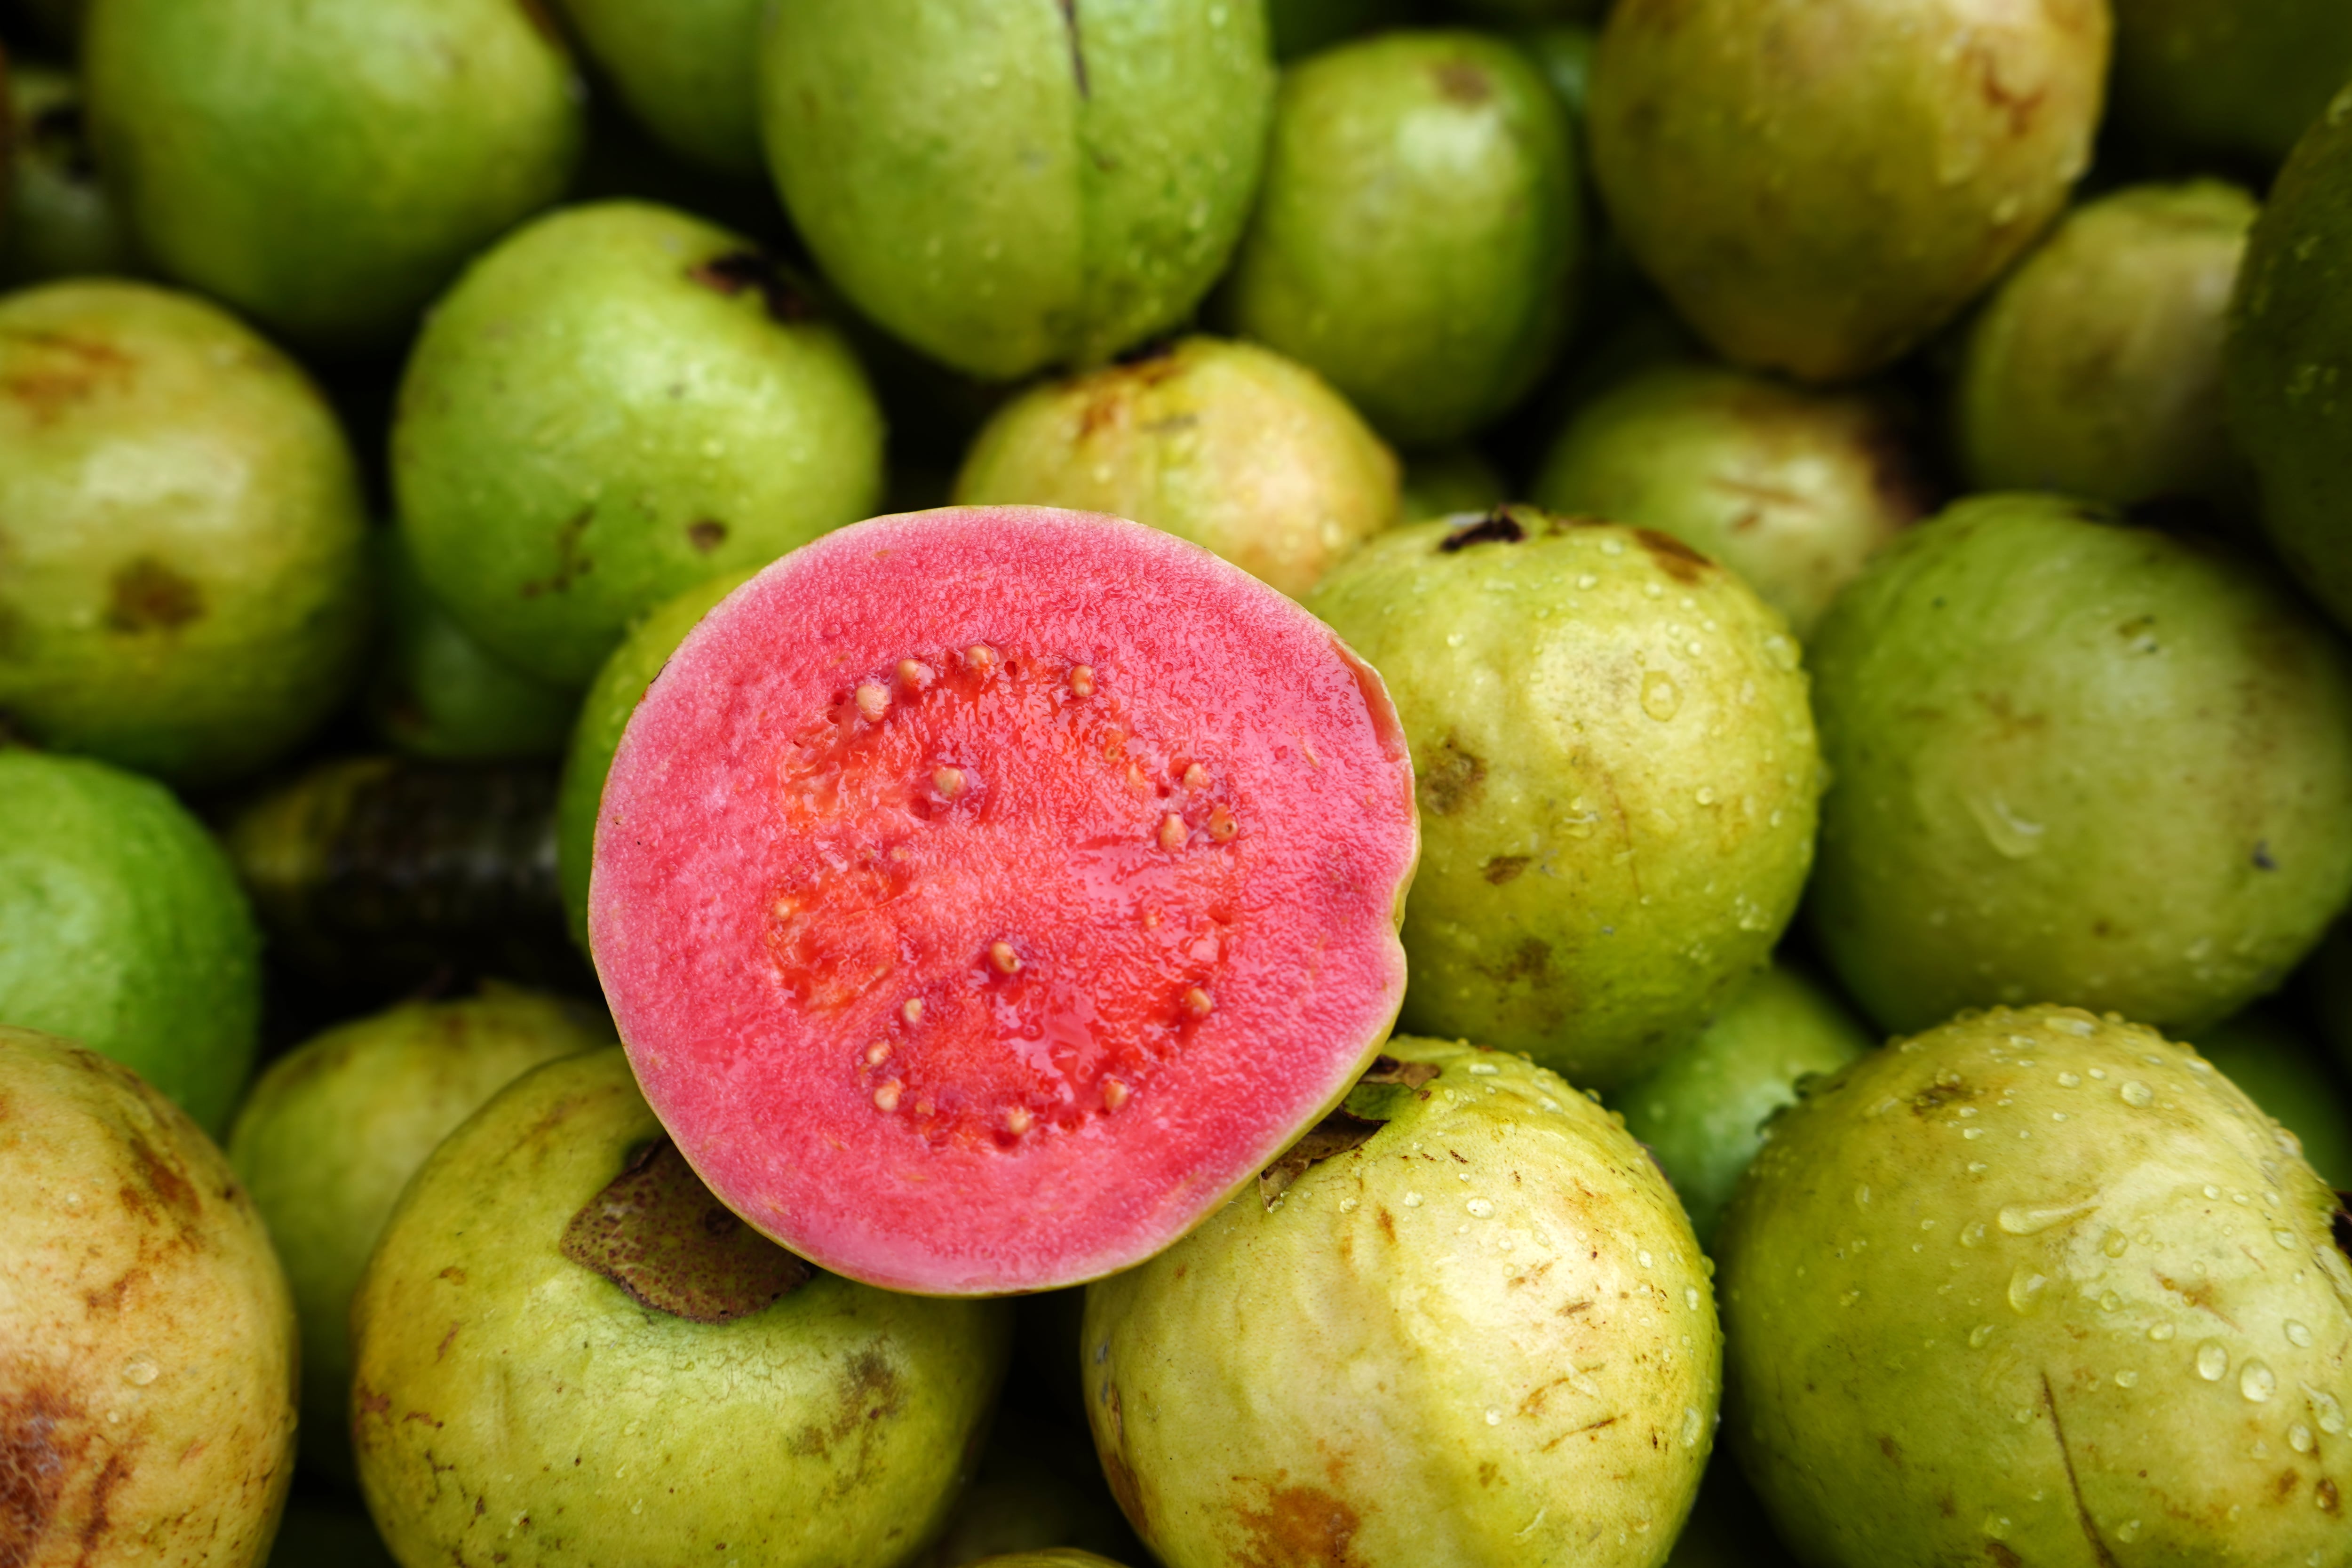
x: 60, y: 220
x: 1617, y: 777
x: 2078, y: 762
x: 435, y: 692
x: 1818, y: 184
x: 183, y: 585
x: 615, y: 404
x: 2096, y: 368
x: 147, y: 1385
x: 1419, y: 235
x: 1486, y: 1336
x: 1010, y: 184
x: 509, y: 1401
x: 686, y: 68
x: 2033, y: 1287
x: 1225, y: 444
x: 335, y: 1127
x: 2243, y: 78
x: 1791, y: 489
x: 2280, y: 1069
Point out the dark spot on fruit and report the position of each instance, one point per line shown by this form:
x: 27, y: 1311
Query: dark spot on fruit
x: 2019, y: 107
x: 2283, y: 1488
x: 570, y: 565
x: 1674, y: 558
x: 706, y: 535
x: 1388, y: 1069
x: 1487, y: 1472
x: 37, y: 1447
x: 1497, y: 527
x: 150, y: 596
x: 1945, y: 1090
x: 656, y: 1232
x: 1337, y: 1134
x: 2002, y: 1554
x: 737, y: 271
x: 543, y: 19
x: 1387, y: 1224
x: 1892, y: 1450
x: 1503, y: 869
x: 1452, y: 777
x: 1464, y: 83
x: 63, y: 372
x: 1299, y: 1527
x: 447, y: 1340
x: 2262, y: 861
x: 2328, y: 1500
x: 1530, y: 961
x: 1078, y: 46
x: 110, y: 1300
x: 101, y: 1494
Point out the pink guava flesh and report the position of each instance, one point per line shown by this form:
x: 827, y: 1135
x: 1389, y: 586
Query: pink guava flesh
x: 984, y: 894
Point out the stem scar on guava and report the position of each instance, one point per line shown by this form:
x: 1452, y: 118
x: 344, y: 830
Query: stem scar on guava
x: 658, y: 1233
x: 1344, y: 1129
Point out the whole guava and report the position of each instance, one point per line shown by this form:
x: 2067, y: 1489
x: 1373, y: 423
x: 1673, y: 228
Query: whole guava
x: 687, y: 71
x: 2077, y: 761
x: 1464, y: 1321
x: 2280, y: 1069
x: 1225, y: 444
x: 436, y: 692
x: 2036, y: 1288
x: 2241, y: 77
x: 1617, y: 775
x: 184, y: 589
x: 147, y: 1384
x: 61, y: 219
x: 566, y: 1351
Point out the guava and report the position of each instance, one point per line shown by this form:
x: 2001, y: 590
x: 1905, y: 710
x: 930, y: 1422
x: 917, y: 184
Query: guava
x: 2096, y: 368
x: 1418, y: 240
x: 611, y: 405
x: 2244, y: 79
x: 2036, y: 1288
x: 1445, y: 480
x: 2282, y: 1072
x: 1617, y: 771
x: 1463, y: 1321
x: 1046, y: 1559
x: 1703, y: 1114
x: 1225, y: 444
x: 184, y: 589
x: 1818, y: 188
x: 1790, y: 488
x: 2288, y: 360
x: 333, y: 1130
x: 687, y: 71
x: 984, y: 894
x: 2075, y: 761
x: 121, y: 927
x: 1038, y: 1489
x: 61, y: 221
x: 566, y: 1350
x: 147, y: 1391
x: 1011, y: 185
x: 1299, y: 28
x: 327, y: 165
x: 436, y: 692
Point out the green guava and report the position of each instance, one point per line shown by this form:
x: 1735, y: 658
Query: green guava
x: 147, y: 1391
x: 1463, y: 1321
x: 686, y: 68
x: 1564, y: 51
x: 182, y: 587
x: 1008, y: 184
x: 333, y: 1130
x: 437, y: 693
x: 61, y: 221
x: 327, y: 165
x: 1038, y: 1489
x: 1818, y: 188
x: 1701, y: 1114
x: 615, y: 404
x: 1303, y: 27
x: 2282, y: 1072
x: 1220, y: 443
x: 1617, y: 777
x: 2096, y: 368
x: 2075, y: 761
x: 1445, y: 480
x: 121, y: 927
x: 566, y: 1350
x: 2233, y: 78
x: 1418, y: 238
x: 1791, y: 489
x: 2033, y: 1287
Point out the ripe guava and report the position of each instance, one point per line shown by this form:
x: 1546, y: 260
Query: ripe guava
x: 1464, y: 1321
x: 2245, y: 79
x: 1819, y: 187
x: 1225, y: 444
x: 1618, y: 774
x: 147, y: 1385
x: 2077, y: 762
x: 2282, y: 1072
x: 687, y: 71
x: 611, y: 405
x: 180, y: 523
x: 121, y: 927
x: 1418, y: 237
x: 2033, y: 1287
x: 566, y: 1350
x: 61, y: 221
x: 1010, y: 184
x: 984, y: 894
x: 1446, y: 480
x: 437, y: 693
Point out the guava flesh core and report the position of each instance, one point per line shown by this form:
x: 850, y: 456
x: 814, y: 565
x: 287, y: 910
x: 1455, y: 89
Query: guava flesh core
x: 985, y: 893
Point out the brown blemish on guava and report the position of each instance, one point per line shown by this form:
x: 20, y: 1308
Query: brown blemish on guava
x: 1940, y: 1093
x: 1388, y: 1069
x: 2003, y: 1556
x: 74, y: 372
x: 147, y: 596
x: 737, y: 271
x: 2200, y: 1296
x: 2099, y: 1553
x: 447, y: 1340
x: 1387, y: 1225
x: 111, y: 1299
x: 658, y: 1233
x: 543, y: 20
x: 570, y: 565
x: 1118, y: 1475
x: 1299, y: 1527
x: 1337, y: 1134
x: 111, y: 1475
x: 1497, y: 527
x: 2283, y: 1488
x: 1502, y: 868
x: 36, y: 1452
x: 2326, y: 1496
x: 1892, y: 1450
x: 2019, y: 107
x: 1463, y: 83
x: 1674, y: 558
x: 1077, y: 48
x: 1453, y: 779
x: 706, y: 535
x: 1530, y: 961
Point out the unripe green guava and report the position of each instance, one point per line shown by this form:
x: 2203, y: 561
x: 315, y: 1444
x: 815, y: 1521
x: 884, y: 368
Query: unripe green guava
x: 1617, y: 777
x: 2033, y: 1287
x: 2077, y: 761
x: 685, y: 69
x: 2231, y: 76
x: 436, y: 692
x: 1445, y: 481
x: 2285, y: 1073
x: 1474, y: 1329
x: 61, y: 221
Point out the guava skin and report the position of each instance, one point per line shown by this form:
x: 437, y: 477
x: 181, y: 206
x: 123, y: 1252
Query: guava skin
x: 2096, y: 368
x: 1818, y: 186
x: 2033, y: 1287
x: 1617, y: 775
x: 1012, y: 185
x: 333, y: 1130
x: 1485, y: 1336
x: 147, y: 1395
x: 685, y: 69
x: 1793, y: 489
x: 2077, y: 762
x: 2245, y: 79
x: 437, y: 693
x: 61, y: 221
x: 1225, y: 444
x: 2282, y: 1072
x: 123, y: 927
x: 1418, y: 238
x: 508, y: 1400
x: 180, y: 518
x: 2289, y: 358
x: 327, y: 165
x: 611, y: 405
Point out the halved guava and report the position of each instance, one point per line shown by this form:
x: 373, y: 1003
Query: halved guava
x: 984, y: 894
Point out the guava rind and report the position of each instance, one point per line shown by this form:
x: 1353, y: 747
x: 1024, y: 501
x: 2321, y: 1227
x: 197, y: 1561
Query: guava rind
x: 2282, y: 1072
x: 2230, y: 78
x: 437, y: 693
x: 685, y: 69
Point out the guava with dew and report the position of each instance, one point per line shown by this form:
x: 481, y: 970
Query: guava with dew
x: 2280, y: 1069
x: 61, y: 220
x: 2245, y: 79
x: 436, y: 692
x: 687, y: 71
